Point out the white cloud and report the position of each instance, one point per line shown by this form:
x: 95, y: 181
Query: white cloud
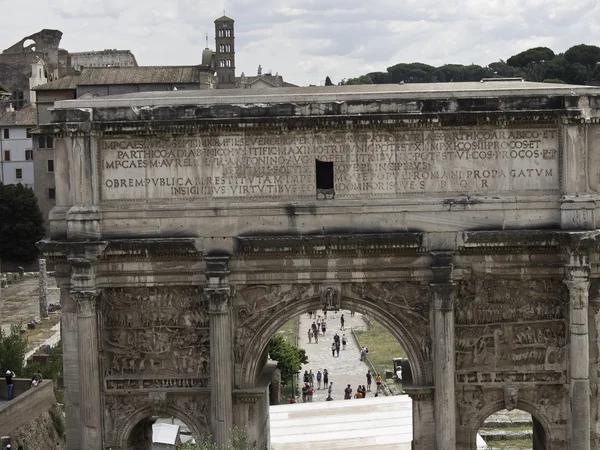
x: 307, y: 40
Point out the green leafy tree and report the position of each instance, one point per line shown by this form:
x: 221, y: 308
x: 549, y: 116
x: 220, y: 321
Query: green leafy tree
x: 504, y: 70
x: 289, y: 357
x: 52, y: 369
x: 411, y: 73
x: 328, y: 81
x: 363, y: 79
x: 534, y: 55
x: 21, y: 223
x: 13, y: 347
x: 379, y: 77
x: 239, y: 441
x: 587, y: 55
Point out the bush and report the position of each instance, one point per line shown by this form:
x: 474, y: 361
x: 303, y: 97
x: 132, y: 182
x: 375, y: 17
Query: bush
x: 13, y: 347
x: 239, y: 441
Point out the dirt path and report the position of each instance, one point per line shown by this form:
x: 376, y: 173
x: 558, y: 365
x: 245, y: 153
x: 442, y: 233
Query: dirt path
x: 19, y: 304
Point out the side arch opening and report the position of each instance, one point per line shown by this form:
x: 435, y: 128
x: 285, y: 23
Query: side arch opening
x: 520, y: 428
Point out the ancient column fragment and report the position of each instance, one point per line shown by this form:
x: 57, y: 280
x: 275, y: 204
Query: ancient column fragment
x: 43, y: 291
x: 444, y: 291
x: 579, y: 356
x: 221, y: 355
x: 89, y: 372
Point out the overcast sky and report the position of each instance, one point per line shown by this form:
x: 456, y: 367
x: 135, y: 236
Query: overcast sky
x: 306, y: 40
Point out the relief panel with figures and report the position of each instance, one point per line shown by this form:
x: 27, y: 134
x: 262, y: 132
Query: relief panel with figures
x: 511, y: 330
x: 155, y: 338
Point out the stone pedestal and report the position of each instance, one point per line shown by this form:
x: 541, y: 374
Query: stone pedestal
x: 89, y: 375
x: 443, y: 363
x: 424, y: 428
x: 221, y: 355
x: 579, y: 356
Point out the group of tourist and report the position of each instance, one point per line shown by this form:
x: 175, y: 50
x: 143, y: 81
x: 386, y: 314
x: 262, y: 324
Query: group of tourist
x: 320, y: 325
x: 309, y: 384
x: 308, y: 389
x: 335, y: 345
x: 361, y: 392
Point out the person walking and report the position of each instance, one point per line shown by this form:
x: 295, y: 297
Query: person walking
x: 325, y: 377
x: 310, y: 335
x: 311, y: 378
x: 337, y: 349
x: 319, y: 377
x: 363, y: 353
x: 342, y: 322
x: 305, y: 393
x: 333, y: 349
x: 348, y: 393
x: 323, y: 326
x: 316, y: 335
x: 363, y: 391
x: 310, y: 392
x: 330, y: 389
x: 378, y: 383
x: 9, y: 384
x: 344, y: 342
x: 369, y: 377
x: 305, y: 377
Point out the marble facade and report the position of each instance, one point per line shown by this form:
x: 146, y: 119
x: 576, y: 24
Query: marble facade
x: 190, y: 226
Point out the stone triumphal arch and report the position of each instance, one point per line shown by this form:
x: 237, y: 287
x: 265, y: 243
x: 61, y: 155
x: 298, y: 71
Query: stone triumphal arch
x: 190, y: 226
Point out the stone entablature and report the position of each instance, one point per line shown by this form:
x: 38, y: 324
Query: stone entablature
x: 488, y: 154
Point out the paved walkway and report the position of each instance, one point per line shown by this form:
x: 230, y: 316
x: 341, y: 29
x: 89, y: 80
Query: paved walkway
x: 343, y: 370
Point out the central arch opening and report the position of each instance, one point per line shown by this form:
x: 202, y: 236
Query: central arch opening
x: 361, y: 382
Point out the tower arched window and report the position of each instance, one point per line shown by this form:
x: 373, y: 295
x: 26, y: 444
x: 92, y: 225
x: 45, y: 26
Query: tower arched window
x: 220, y: 33
x: 228, y: 48
x: 221, y: 48
x: 227, y: 33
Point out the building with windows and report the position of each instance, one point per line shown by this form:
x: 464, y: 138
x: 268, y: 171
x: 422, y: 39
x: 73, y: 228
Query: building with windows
x: 16, y: 146
x: 225, y: 52
x: 43, y: 170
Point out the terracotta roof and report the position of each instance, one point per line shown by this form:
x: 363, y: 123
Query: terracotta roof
x: 139, y: 75
x: 23, y: 117
x: 68, y: 82
x: 95, y: 76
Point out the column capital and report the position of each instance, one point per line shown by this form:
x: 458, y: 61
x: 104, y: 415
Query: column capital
x: 420, y: 392
x: 218, y: 299
x: 86, y: 302
x: 443, y: 296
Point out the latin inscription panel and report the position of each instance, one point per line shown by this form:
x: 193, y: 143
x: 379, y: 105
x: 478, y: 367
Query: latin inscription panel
x: 366, y: 163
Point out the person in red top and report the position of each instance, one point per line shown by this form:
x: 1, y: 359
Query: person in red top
x: 292, y: 399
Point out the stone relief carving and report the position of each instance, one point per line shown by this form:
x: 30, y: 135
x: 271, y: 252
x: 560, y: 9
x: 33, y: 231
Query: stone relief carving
x: 511, y: 396
x: 119, y: 409
x: 503, y: 324
x: 407, y: 301
x: 155, y: 335
x: 546, y: 401
x: 330, y: 298
x: 257, y: 303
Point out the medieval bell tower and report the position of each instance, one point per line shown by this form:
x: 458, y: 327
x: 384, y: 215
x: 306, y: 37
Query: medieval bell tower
x: 225, y: 60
